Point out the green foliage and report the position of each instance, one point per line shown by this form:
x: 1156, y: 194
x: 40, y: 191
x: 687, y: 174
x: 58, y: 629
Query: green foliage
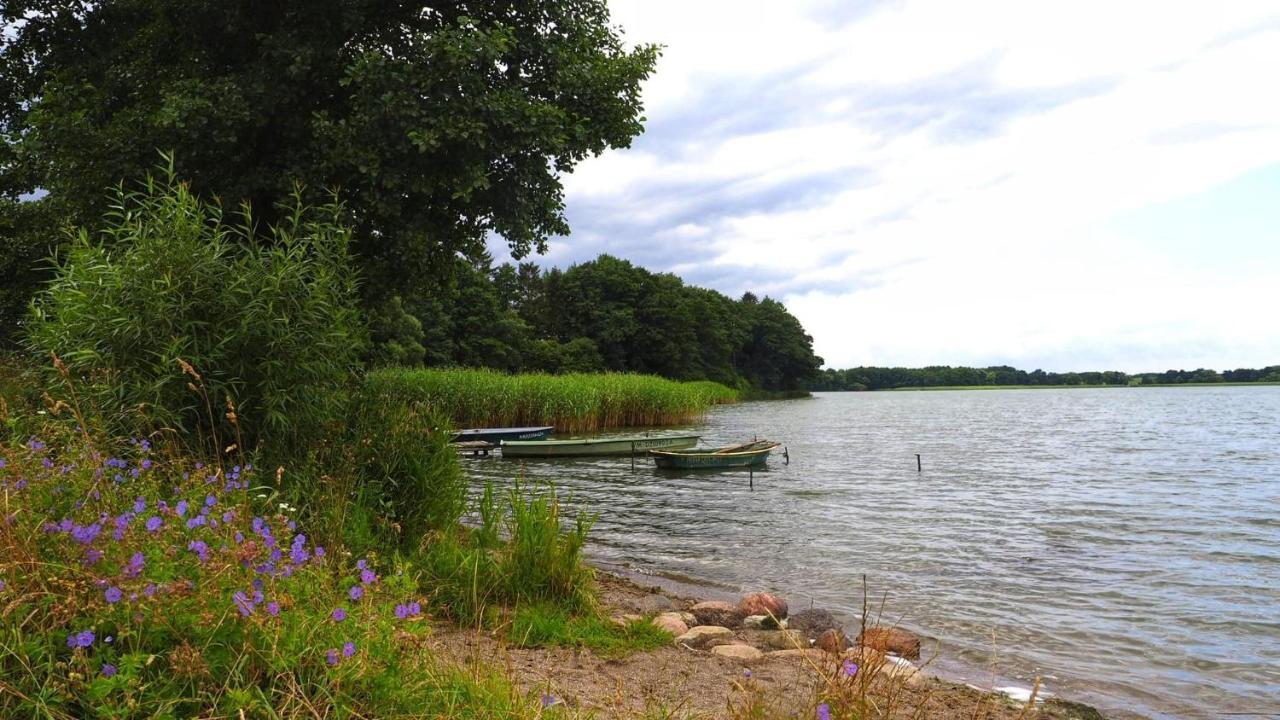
x: 442, y: 122
x: 396, y: 335
x: 206, y: 623
x: 520, y: 554
x: 405, y: 466
x: 570, y: 403
x: 173, y: 315
x: 543, y: 624
x: 884, y: 378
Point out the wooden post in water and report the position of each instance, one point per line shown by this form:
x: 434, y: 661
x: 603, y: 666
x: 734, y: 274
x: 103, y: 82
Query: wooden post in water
x: 919, y: 467
x: 633, y: 456
x: 751, y: 478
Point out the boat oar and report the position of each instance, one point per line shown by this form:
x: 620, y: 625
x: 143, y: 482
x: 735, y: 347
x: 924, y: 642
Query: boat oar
x: 736, y: 448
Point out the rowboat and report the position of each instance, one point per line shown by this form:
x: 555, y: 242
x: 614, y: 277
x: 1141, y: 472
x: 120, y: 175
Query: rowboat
x: 496, y: 435
x: 745, y: 455
x: 600, y: 446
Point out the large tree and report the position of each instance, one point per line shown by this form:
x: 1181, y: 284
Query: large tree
x: 439, y: 121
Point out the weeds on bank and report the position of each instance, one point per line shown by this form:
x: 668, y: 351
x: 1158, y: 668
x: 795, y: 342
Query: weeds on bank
x: 134, y: 585
x: 545, y: 624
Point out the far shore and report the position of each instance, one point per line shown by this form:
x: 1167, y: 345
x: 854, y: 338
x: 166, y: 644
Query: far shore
x: 1056, y: 387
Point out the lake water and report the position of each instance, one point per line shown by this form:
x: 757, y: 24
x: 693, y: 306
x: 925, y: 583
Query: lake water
x: 1121, y: 543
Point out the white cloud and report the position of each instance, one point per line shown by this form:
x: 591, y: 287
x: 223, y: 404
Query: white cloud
x: 946, y: 173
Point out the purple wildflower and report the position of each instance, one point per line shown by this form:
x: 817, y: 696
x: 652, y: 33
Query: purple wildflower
x: 331, y: 656
x: 113, y: 594
x: 139, y: 506
x: 402, y: 612
x: 108, y: 670
x: 273, y: 608
x: 210, y: 501
x: 549, y: 700
x: 181, y: 508
x: 199, y: 548
x: 82, y: 639
x: 153, y: 523
x: 850, y: 668
x: 362, y: 564
x: 319, y: 553
x: 367, y: 576
x: 415, y: 608
x: 243, y: 603
x: 135, y: 565
x: 348, y: 649
x: 339, y: 614
x: 355, y: 593
x: 824, y: 712
x: 146, y: 464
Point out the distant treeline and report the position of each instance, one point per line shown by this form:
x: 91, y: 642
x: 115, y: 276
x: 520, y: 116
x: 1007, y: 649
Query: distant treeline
x: 603, y: 315
x: 886, y: 378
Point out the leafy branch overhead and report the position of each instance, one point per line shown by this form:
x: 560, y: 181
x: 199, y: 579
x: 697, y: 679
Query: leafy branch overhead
x: 440, y: 122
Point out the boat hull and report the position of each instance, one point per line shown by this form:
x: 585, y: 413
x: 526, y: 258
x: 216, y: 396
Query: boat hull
x: 497, y: 435
x: 586, y: 448
x: 710, y: 459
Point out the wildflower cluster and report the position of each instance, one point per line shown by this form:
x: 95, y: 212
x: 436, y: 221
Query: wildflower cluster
x: 170, y: 561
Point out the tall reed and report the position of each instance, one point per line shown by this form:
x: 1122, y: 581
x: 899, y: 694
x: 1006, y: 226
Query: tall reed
x: 576, y: 403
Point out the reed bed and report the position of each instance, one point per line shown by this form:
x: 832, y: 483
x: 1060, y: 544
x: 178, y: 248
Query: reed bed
x: 577, y: 403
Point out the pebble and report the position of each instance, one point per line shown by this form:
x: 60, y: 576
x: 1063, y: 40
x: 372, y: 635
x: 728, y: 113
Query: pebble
x: 672, y: 623
x: 742, y: 653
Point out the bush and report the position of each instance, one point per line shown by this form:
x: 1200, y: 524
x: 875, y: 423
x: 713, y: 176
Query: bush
x: 405, y: 466
x: 175, y: 317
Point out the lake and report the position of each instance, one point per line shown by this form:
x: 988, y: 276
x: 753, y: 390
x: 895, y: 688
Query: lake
x: 1123, y: 544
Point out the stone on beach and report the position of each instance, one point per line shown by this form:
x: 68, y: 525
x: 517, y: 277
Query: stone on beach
x: 762, y: 622
x: 656, y: 603
x: 703, y: 635
x: 742, y: 653
x: 672, y: 623
x: 893, y: 640
x: 763, y: 604
x: 812, y: 622
x: 832, y: 641
x: 715, y: 612
x: 785, y: 640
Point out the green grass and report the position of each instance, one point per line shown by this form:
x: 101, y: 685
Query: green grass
x: 545, y: 624
x: 577, y: 403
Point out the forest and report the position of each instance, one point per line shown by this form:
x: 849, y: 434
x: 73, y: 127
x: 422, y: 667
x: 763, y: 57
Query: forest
x: 889, y: 378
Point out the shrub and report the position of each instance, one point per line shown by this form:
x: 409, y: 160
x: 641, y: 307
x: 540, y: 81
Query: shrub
x: 176, y: 317
x: 405, y: 465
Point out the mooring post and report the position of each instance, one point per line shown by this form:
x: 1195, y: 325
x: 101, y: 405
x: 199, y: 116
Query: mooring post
x: 786, y: 455
x: 919, y: 467
x: 633, y: 456
x: 751, y: 478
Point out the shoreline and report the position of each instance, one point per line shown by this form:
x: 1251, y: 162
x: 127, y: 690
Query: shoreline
x: 697, y: 678
x: 937, y: 667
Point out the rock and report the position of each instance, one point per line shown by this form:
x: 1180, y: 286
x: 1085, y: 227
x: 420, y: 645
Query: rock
x: 715, y: 612
x: 892, y: 640
x: 625, y: 620
x: 672, y: 623
x: 832, y: 641
x: 741, y: 653
x: 813, y: 654
x: 899, y: 670
x: 1073, y: 710
x: 688, y: 618
x: 763, y: 604
x: 785, y: 640
x: 655, y: 603
x: 702, y: 635
x: 812, y: 622
x: 760, y: 622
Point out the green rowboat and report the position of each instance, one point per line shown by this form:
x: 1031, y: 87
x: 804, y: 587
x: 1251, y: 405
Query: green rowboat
x: 600, y: 446
x: 745, y: 455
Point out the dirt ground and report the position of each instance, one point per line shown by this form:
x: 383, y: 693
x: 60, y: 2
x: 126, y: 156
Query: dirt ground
x: 679, y: 682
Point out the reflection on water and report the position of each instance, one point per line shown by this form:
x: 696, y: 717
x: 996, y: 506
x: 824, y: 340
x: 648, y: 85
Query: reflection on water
x: 1122, y: 543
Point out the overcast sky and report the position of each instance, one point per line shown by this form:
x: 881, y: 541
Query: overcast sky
x: 1058, y: 185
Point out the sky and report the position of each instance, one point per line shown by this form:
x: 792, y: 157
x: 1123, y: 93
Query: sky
x: 1066, y: 186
